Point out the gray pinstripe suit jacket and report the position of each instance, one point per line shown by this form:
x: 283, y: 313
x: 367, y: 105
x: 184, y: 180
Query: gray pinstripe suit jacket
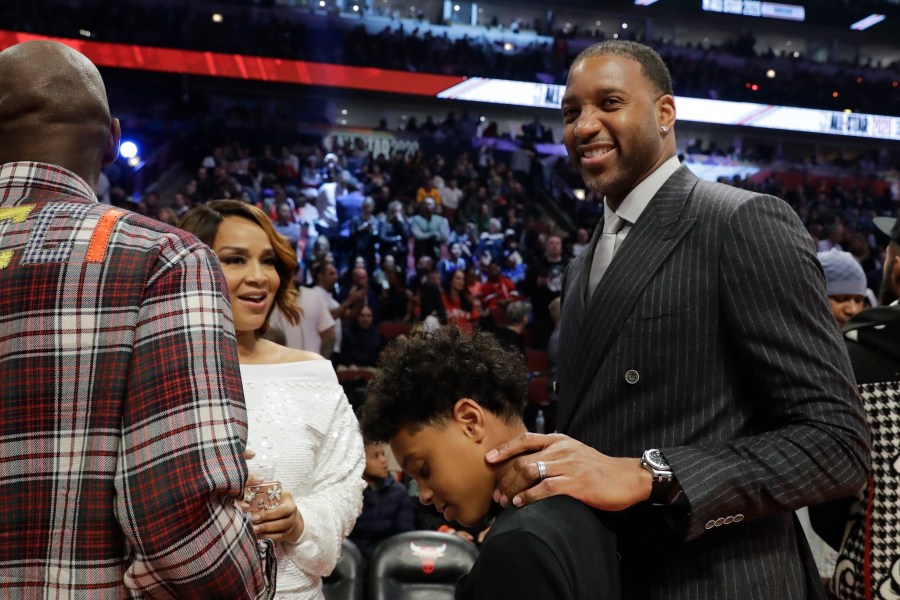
x: 715, y: 303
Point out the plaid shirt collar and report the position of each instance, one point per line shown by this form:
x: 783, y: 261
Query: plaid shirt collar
x: 25, y: 181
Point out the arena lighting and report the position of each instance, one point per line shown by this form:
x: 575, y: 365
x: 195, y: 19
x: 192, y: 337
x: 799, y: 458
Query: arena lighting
x: 644, y: 2
x: 771, y: 73
x: 128, y: 149
x: 217, y: 18
x: 756, y: 8
x: 863, y: 24
x: 473, y: 89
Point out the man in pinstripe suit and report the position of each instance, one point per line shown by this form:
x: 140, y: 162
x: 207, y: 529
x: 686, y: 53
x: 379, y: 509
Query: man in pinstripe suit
x: 704, y: 390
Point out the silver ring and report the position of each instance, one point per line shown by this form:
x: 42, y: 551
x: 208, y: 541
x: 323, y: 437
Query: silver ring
x: 542, y: 470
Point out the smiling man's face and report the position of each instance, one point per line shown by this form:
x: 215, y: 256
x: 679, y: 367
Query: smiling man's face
x: 612, y: 119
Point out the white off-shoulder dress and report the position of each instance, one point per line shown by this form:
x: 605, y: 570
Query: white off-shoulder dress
x: 302, y: 411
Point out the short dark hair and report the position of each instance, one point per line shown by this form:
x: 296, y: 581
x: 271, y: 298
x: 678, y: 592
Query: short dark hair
x: 318, y: 269
x: 652, y: 65
x: 421, y: 378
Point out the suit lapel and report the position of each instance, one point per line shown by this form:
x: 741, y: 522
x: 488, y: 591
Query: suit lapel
x: 574, y: 303
x: 576, y: 280
x: 589, y: 331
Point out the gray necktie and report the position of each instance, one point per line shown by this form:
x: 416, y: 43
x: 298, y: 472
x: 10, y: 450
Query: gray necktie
x: 606, y: 247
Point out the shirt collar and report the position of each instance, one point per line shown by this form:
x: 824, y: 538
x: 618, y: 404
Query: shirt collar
x: 637, y: 200
x: 26, y: 176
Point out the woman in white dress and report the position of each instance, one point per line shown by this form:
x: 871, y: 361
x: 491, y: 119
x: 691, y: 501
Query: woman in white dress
x: 294, y: 402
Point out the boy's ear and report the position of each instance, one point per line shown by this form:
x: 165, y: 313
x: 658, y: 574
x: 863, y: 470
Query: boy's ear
x: 469, y: 415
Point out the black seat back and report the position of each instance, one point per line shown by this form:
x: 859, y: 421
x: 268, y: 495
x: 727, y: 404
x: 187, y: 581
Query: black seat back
x: 346, y: 581
x: 419, y: 565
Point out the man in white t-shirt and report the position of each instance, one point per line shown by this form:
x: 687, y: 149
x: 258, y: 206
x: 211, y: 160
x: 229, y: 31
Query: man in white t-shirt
x: 315, y: 332
x: 325, y: 276
x: 450, y: 198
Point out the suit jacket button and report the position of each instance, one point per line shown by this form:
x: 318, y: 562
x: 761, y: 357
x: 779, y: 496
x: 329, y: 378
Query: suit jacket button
x: 738, y: 518
x: 729, y: 520
x: 710, y: 524
x: 632, y: 376
x: 719, y: 521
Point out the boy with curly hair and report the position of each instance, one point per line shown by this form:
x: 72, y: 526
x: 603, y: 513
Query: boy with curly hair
x: 442, y: 401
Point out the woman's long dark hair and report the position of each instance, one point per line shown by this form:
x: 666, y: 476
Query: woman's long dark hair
x: 465, y: 300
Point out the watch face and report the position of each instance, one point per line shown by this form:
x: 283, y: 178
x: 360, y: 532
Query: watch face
x: 657, y: 460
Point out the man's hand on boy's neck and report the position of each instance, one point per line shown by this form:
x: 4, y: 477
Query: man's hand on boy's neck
x: 535, y: 466
x: 499, y: 434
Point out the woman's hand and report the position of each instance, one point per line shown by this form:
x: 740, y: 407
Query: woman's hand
x: 282, y: 523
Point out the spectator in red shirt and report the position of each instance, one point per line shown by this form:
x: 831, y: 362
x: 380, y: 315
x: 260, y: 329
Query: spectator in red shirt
x: 498, y: 290
x: 458, y: 304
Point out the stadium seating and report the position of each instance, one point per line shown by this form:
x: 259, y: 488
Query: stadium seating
x: 419, y: 565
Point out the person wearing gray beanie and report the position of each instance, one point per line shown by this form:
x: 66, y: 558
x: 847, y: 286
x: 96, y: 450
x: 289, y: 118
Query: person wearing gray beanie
x: 845, y: 284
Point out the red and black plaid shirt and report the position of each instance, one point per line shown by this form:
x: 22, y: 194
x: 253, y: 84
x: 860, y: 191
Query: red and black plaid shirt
x: 122, y: 421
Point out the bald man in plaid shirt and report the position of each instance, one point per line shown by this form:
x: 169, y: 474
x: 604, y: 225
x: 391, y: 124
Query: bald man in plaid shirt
x: 122, y: 421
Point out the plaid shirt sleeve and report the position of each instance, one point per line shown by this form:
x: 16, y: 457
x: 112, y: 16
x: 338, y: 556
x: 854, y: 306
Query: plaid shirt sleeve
x: 184, y: 430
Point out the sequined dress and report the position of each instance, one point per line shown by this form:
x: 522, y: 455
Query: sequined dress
x: 302, y: 411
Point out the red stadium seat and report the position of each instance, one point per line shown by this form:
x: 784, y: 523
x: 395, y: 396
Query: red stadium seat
x: 538, y: 391
x: 536, y: 361
x: 498, y: 315
x: 391, y: 329
x: 353, y: 374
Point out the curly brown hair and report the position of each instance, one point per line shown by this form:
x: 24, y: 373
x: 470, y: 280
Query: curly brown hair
x: 422, y: 377
x: 204, y: 221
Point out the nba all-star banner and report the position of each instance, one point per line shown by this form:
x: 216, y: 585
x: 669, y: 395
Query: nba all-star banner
x: 721, y: 112
x: 475, y: 89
